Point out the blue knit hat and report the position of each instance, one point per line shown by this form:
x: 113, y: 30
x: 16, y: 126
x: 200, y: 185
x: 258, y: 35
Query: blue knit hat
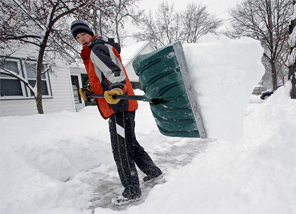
x: 79, y: 26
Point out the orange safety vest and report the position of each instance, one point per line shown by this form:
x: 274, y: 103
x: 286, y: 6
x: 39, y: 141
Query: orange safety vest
x: 104, y: 108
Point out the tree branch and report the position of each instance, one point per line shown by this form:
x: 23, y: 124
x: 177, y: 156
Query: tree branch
x: 7, y: 72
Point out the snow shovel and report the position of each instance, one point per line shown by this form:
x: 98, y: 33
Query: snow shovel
x: 123, y: 97
x: 165, y: 78
x: 166, y: 82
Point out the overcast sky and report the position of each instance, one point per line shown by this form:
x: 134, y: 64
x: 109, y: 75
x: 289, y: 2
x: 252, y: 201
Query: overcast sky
x: 218, y: 7
x: 214, y: 6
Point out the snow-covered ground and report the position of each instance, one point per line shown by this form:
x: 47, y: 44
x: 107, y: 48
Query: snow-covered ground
x: 62, y: 163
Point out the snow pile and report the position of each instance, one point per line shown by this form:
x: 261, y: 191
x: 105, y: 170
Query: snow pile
x: 39, y: 152
x: 46, y: 159
x: 224, y: 73
x: 256, y: 176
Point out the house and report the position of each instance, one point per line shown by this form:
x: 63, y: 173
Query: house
x: 16, y: 98
x: 60, y: 89
x: 128, y: 54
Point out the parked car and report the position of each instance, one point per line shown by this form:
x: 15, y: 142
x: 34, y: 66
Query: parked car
x: 258, y: 89
x: 267, y: 93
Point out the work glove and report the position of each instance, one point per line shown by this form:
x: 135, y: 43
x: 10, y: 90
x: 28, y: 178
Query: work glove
x: 85, y: 93
x: 109, y: 95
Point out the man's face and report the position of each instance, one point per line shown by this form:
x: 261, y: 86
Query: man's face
x: 83, y: 38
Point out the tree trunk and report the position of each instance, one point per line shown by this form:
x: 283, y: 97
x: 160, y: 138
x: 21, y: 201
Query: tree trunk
x: 39, y: 73
x: 292, y: 77
x: 293, y: 90
x: 292, y: 68
x: 274, y: 75
x: 39, y: 82
x: 117, y: 31
x: 95, y: 28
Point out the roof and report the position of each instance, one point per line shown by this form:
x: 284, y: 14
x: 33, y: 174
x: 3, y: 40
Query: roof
x: 130, y: 52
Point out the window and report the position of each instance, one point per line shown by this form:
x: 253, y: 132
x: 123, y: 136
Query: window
x: 11, y: 87
x: 32, y: 75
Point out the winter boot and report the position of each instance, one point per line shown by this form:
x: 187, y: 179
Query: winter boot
x: 150, y: 178
x: 121, y: 200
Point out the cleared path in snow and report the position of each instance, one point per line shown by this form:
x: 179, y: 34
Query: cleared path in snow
x: 105, y: 182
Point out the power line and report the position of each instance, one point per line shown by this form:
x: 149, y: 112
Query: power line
x: 222, y: 12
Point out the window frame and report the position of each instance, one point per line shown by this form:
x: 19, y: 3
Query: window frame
x: 23, y: 73
x: 48, y: 85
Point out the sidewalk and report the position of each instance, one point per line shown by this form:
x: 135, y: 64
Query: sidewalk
x: 104, y: 182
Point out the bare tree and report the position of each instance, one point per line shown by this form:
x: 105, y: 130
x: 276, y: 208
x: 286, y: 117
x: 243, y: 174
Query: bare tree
x: 113, y: 24
x: 169, y: 26
x: 161, y: 29
x: 99, y: 20
x: 124, y: 9
x: 198, y: 22
x: 266, y: 21
x: 42, y: 23
x: 149, y: 31
x: 166, y: 21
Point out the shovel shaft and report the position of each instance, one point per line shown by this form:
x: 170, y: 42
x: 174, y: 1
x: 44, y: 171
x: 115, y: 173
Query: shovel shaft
x: 132, y: 97
x: 122, y: 97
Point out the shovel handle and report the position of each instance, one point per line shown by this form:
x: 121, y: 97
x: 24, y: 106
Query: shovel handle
x: 132, y: 97
x: 122, y: 97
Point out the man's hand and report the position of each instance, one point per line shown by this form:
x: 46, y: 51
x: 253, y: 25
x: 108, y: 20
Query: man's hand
x: 109, y: 95
x: 85, y: 93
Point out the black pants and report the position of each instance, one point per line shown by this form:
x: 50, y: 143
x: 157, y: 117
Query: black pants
x: 127, y: 152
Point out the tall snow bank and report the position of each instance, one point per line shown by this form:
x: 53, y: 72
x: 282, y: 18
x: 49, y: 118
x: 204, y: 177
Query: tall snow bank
x: 44, y: 159
x: 224, y: 74
x: 39, y: 153
x: 22, y: 185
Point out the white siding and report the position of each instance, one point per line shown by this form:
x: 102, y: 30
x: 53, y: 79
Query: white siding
x: 62, y: 95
